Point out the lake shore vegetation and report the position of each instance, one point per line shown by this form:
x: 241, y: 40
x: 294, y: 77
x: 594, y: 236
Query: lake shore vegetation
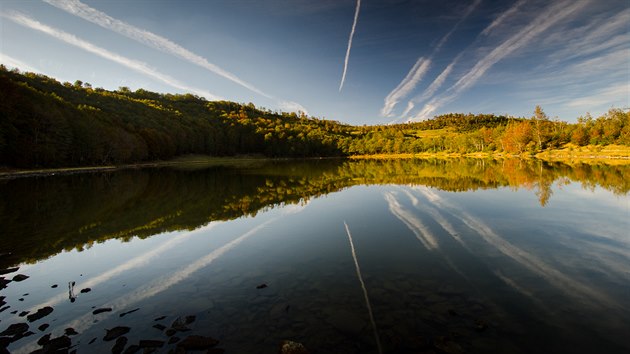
x: 48, y: 124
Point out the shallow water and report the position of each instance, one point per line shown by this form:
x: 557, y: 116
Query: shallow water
x: 342, y: 256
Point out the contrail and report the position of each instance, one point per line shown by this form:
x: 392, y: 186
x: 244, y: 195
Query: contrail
x: 345, y: 63
x: 150, y: 39
x: 414, y: 76
x: 365, y: 294
x: 548, y: 18
x: 104, y: 53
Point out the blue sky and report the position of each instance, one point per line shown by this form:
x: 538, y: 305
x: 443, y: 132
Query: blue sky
x: 402, y: 59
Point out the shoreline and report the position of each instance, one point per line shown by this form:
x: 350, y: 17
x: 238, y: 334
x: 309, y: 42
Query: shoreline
x: 547, y: 156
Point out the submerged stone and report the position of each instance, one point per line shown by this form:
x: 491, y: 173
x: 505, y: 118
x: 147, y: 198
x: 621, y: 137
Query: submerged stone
x: 115, y: 333
x: 101, y: 310
x: 20, y: 277
x: 290, y: 347
x: 118, y: 348
x: 43, y: 312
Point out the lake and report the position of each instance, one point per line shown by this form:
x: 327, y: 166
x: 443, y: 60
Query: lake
x: 367, y: 256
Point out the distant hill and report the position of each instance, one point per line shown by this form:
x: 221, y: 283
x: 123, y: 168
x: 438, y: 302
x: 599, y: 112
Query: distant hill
x: 45, y: 123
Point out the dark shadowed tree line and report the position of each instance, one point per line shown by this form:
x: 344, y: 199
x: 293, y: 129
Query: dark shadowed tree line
x: 45, y: 123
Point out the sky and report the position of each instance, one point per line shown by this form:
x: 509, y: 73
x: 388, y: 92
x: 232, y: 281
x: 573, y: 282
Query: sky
x: 358, y: 62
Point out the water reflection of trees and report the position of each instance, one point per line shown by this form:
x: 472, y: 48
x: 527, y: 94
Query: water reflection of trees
x: 42, y: 216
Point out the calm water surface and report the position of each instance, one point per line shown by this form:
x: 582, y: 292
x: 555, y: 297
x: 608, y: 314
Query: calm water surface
x: 400, y: 256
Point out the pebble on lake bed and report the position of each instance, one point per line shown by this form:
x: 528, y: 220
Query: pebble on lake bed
x: 289, y: 347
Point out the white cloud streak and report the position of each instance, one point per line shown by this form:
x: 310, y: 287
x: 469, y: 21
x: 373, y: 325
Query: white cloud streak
x: 16, y: 63
x: 365, y: 293
x: 345, y: 63
x: 467, y: 13
x: 548, y: 17
x: 417, y: 72
x: 135, y: 65
x: 499, y: 20
x: 414, y: 76
x: 150, y: 39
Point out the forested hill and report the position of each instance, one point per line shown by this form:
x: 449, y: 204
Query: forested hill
x: 45, y: 123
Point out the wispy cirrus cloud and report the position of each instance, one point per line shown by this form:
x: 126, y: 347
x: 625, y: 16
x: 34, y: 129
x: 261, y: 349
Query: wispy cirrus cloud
x: 549, y: 16
x: 408, y: 84
x: 501, y: 18
x: 354, y: 26
x: 467, y: 13
x: 16, y: 63
x: 135, y: 65
x: 413, y: 77
x: 150, y: 39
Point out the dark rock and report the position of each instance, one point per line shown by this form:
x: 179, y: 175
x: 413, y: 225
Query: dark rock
x: 4, y: 342
x: 25, y: 294
x: 180, y: 323
x: 13, y: 312
x: 115, y: 333
x: 85, y: 291
x: 132, y: 349
x: 159, y: 326
x: 54, y: 286
x: 14, y: 329
x: 43, y: 327
x: 9, y: 270
x: 4, y: 308
x: 128, y: 312
x: 261, y: 286
x: 289, y: 347
x: 20, y: 277
x: 169, y: 332
x: 44, y: 339
x: 146, y: 343
x: 453, y: 312
x: 43, y: 312
x: 21, y: 299
x: 57, y: 344
x: 173, y: 340
x: 101, y: 310
x: 92, y: 340
x: 160, y: 318
x: 118, y: 348
x: 70, y: 332
x: 23, y: 313
x: 197, y: 343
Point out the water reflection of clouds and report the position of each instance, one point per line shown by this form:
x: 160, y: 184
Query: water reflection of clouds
x: 423, y: 234
x: 524, y: 258
x: 161, y: 284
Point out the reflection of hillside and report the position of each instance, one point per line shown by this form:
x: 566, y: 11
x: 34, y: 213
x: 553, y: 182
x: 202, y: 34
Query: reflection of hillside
x: 42, y: 216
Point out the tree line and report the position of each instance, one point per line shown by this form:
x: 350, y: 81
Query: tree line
x: 46, y: 123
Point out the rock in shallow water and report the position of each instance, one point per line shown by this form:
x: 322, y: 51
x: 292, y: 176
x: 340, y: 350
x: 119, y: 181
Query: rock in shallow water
x: 289, y: 347
x: 115, y: 333
x: 43, y: 312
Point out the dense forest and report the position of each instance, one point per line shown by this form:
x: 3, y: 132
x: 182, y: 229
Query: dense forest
x: 45, y: 123
x: 78, y: 210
